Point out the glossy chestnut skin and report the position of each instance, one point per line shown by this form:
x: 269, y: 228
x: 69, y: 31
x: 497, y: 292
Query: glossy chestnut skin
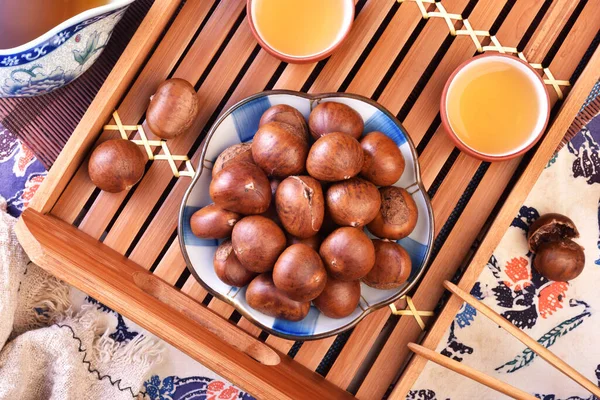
x: 348, y: 254
x: 173, y: 108
x: 560, y: 260
x: 392, y: 266
x: 228, y: 268
x: 314, y: 242
x: 339, y: 298
x: 354, y: 202
x: 335, y: 157
x: 278, y: 150
x: 397, y: 216
x: 299, y: 273
x: 550, y: 227
x: 263, y: 296
x: 257, y: 243
x: 384, y: 163
x: 213, y: 222
x: 241, y: 187
x: 116, y: 165
x: 241, y: 152
x: 288, y: 115
x: 330, y: 117
x: 300, y: 205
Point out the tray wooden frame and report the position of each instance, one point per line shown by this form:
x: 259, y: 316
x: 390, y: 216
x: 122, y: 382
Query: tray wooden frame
x: 223, y: 58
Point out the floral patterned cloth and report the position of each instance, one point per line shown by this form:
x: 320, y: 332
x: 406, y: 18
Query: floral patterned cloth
x: 561, y: 316
x: 178, y: 376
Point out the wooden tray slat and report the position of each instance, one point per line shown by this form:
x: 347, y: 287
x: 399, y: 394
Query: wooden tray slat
x: 210, y: 44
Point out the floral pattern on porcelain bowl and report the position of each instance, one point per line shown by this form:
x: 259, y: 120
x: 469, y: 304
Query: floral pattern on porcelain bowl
x: 239, y: 124
x: 61, y: 55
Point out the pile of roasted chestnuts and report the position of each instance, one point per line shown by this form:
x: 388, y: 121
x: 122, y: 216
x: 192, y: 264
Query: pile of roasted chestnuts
x: 557, y: 256
x: 293, y: 204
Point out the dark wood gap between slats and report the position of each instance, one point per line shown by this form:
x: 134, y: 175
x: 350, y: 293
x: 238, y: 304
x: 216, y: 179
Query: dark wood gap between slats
x: 162, y: 253
x: 361, y: 59
x: 235, y: 317
x: 86, y: 207
x: 193, y: 39
x: 399, y: 58
x: 586, y: 58
x: 276, y: 75
x: 437, y: 121
x: 534, y: 25
x: 333, y: 352
x: 207, y: 299
x: 437, y: 182
x: 184, y: 277
x: 240, y: 19
x: 563, y: 34
x: 502, y: 16
x: 294, y: 349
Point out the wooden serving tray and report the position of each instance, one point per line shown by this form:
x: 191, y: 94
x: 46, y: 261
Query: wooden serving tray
x: 399, y: 54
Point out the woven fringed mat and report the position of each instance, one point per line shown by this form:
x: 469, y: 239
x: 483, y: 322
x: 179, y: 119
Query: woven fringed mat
x: 45, y: 123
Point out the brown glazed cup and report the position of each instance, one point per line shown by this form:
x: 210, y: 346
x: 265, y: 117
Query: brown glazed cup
x: 534, y: 136
x: 301, y: 59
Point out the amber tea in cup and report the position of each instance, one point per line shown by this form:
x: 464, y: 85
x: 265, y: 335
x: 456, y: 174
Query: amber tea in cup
x: 495, y: 107
x: 300, y: 30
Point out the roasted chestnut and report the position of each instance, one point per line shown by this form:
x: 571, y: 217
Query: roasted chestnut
x: 348, y: 254
x: 116, y: 165
x: 560, y: 260
x: 354, y: 202
x: 392, y: 266
x: 384, y: 162
x: 397, y: 216
x: 257, y: 242
x: 213, y: 222
x: 335, y: 157
x: 228, y: 268
x: 299, y: 273
x: 550, y: 227
x: 314, y: 242
x: 288, y: 115
x: 263, y: 295
x: 241, y: 152
x: 300, y: 205
x: 330, y: 117
x: 241, y: 187
x: 278, y: 150
x: 173, y: 108
x: 339, y: 298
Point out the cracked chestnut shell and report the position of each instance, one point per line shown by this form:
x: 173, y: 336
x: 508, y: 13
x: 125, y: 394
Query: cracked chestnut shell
x: 279, y: 150
x: 397, y: 216
x: 299, y: 273
x: 560, y: 260
x: 339, y: 298
x: 550, y: 227
x: 228, y: 268
x: 241, y: 187
x: 330, y: 117
x: 348, y: 254
x: 173, y: 108
x: 241, y: 152
x: 392, y: 266
x: 116, y: 165
x: 213, y: 222
x: 384, y: 163
x: 288, y: 115
x: 263, y: 296
x: 354, y: 202
x: 335, y: 157
x: 257, y: 243
x: 300, y: 205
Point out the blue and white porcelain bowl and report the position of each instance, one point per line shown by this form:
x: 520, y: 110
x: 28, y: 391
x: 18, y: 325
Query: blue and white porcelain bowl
x: 60, y: 55
x: 239, y: 124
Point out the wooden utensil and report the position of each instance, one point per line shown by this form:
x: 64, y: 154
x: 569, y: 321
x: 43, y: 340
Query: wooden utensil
x: 469, y: 372
x: 524, y: 338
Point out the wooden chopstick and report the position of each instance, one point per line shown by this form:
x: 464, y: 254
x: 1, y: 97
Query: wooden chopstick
x: 471, y: 373
x: 525, y: 339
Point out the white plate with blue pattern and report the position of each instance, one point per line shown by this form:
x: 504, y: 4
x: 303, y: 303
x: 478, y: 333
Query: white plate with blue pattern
x: 239, y: 124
